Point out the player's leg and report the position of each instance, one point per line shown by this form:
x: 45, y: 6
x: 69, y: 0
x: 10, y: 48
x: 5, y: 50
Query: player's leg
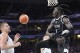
x: 66, y: 46
x: 39, y: 45
x: 60, y: 48
x: 61, y: 42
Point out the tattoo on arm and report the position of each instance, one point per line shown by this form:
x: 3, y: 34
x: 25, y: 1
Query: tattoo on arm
x: 67, y: 23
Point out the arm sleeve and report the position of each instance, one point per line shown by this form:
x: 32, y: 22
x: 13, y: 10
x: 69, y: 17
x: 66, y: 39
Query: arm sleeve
x: 71, y: 32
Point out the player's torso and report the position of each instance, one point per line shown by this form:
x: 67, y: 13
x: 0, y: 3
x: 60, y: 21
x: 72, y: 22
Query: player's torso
x: 58, y: 24
x: 9, y: 42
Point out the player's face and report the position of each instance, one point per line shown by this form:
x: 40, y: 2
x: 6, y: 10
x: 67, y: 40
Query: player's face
x: 55, y: 12
x: 6, y: 27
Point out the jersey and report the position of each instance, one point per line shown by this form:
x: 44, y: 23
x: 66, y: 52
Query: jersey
x: 9, y: 42
x: 57, y: 28
x: 58, y: 25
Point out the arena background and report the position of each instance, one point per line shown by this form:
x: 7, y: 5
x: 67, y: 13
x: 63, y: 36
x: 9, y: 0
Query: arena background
x: 40, y: 17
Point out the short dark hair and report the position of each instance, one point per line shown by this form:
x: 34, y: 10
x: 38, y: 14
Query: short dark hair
x: 1, y: 24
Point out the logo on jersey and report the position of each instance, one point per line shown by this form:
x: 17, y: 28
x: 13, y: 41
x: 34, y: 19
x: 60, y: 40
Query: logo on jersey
x: 57, y: 26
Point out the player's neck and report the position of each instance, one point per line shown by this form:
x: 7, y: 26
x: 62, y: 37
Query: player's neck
x: 58, y: 16
x: 5, y: 32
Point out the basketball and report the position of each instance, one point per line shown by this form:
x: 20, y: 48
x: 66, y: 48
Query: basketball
x: 23, y: 19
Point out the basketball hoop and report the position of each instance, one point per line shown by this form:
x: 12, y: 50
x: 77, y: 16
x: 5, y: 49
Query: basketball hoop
x: 52, y: 2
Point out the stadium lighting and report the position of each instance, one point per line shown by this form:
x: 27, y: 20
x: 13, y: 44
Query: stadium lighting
x: 78, y: 36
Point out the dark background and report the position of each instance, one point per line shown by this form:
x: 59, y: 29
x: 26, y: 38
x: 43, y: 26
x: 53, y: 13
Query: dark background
x: 40, y: 16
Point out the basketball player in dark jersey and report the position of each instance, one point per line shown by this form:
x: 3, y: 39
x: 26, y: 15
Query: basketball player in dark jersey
x: 59, y: 30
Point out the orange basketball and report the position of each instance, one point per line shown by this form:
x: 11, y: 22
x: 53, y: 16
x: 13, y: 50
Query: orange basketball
x: 23, y: 19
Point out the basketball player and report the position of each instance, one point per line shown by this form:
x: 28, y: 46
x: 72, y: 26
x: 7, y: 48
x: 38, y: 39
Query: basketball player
x: 59, y: 30
x: 6, y: 43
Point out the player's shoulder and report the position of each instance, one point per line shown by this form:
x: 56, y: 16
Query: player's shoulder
x: 66, y: 20
x: 3, y: 35
x: 65, y: 16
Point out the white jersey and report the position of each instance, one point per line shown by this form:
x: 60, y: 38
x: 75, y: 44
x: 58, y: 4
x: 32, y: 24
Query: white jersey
x: 9, y: 42
x: 46, y: 50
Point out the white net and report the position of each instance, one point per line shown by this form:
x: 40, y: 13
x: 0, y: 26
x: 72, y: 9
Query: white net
x: 52, y: 2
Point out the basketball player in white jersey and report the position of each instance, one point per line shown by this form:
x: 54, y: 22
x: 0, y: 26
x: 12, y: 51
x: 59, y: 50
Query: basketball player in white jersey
x: 6, y: 43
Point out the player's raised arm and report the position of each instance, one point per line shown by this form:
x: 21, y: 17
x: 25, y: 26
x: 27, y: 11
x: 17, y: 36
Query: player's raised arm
x: 69, y: 26
x: 49, y: 29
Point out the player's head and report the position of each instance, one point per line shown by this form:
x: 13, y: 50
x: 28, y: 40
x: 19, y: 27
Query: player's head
x: 57, y: 11
x: 4, y: 26
x: 60, y: 9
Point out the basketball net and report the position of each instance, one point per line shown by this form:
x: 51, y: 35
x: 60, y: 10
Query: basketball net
x: 52, y: 2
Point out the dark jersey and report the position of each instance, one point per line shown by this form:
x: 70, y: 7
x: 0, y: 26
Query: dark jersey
x: 58, y: 25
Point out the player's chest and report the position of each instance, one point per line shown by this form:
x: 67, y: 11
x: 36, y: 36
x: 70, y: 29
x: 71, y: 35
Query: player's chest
x: 57, y: 24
